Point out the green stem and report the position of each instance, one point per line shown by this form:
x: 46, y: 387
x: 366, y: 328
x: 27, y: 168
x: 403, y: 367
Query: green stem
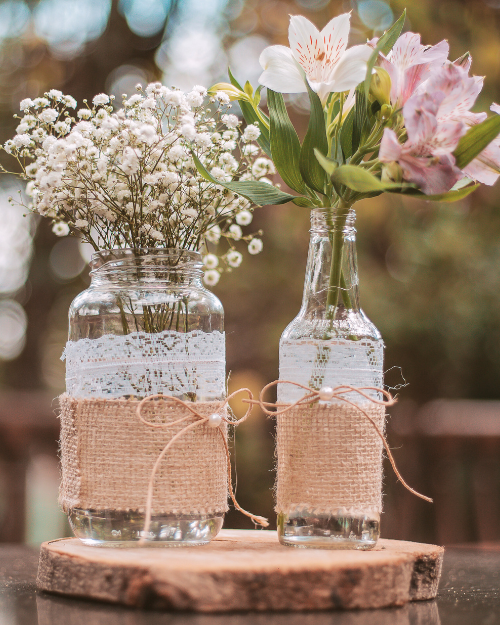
x: 335, y: 284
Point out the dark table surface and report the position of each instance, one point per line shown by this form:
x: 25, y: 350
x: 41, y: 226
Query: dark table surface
x: 469, y: 595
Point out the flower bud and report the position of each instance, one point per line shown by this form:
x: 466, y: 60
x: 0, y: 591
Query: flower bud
x: 380, y: 86
x: 385, y: 111
x: 233, y: 92
x: 392, y: 172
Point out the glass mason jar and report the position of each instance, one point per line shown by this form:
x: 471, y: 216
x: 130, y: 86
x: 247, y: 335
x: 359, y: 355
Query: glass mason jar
x: 330, y: 343
x: 146, y: 325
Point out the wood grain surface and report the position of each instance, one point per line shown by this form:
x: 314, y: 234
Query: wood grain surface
x: 242, y: 570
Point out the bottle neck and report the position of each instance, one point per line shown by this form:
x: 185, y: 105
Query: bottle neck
x: 148, y: 267
x: 331, y: 282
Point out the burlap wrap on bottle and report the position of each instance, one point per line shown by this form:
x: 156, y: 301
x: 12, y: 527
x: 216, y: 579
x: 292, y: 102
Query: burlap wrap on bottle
x: 107, y: 456
x: 330, y: 458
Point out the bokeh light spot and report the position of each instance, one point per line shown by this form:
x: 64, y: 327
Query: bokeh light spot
x: 145, y: 17
x: 65, y: 260
x: 14, y: 18
x: 375, y: 14
x: 16, y: 233
x: 124, y: 79
x: 67, y: 25
x: 13, y: 324
x: 244, y: 57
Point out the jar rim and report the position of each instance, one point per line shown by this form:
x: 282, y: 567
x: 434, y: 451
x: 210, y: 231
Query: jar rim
x: 175, y: 258
x: 319, y: 218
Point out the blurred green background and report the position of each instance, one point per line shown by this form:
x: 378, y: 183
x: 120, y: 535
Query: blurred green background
x: 429, y: 274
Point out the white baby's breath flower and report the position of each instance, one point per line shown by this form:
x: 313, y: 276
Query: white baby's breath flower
x: 31, y: 170
x: 40, y: 102
x: 231, y: 121
x: 48, y: 115
x: 255, y: 246
x: 133, y: 100
x: 130, y: 161
x: 26, y: 104
x: 55, y: 94
x: 235, y: 232
x: 222, y: 97
x: 219, y: 174
x: 210, y: 261
x: 48, y: 142
x: 251, y: 133
x: 213, y: 234
x: 81, y: 224
x: 176, y: 153
x: 243, y: 218
x: 200, y: 89
x: 61, y: 127
x: 188, y: 131
x: 250, y: 149
x: 22, y: 141
x: 211, y: 277
x: 194, y: 99
x: 262, y: 167
x: 60, y: 229
x: 234, y: 258
x: 147, y: 133
x: 69, y: 101
x: 100, y: 99
x: 148, y: 103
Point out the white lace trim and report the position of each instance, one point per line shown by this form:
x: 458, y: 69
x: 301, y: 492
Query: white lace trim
x: 142, y: 364
x: 332, y: 363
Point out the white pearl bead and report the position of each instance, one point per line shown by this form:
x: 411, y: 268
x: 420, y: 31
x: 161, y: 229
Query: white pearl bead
x: 214, y: 420
x: 325, y: 393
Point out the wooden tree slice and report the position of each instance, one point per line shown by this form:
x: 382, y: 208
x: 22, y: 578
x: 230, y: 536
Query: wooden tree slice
x: 242, y: 570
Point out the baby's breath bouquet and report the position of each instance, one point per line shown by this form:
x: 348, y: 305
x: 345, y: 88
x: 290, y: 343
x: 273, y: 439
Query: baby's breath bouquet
x: 126, y: 177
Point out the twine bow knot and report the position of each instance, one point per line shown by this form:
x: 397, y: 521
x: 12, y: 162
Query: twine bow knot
x: 215, y: 421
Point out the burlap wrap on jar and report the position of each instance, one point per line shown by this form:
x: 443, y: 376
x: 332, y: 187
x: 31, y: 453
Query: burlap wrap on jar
x: 107, y: 456
x: 330, y: 459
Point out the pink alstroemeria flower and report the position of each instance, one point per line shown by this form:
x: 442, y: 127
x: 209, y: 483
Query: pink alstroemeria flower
x: 434, y: 121
x: 409, y: 64
x: 321, y: 57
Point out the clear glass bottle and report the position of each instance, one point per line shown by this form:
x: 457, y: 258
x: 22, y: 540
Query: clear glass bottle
x: 142, y: 306
x: 330, y: 342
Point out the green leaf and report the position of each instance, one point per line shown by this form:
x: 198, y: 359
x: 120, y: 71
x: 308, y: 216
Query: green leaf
x: 360, y: 116
x: 328, y: 164
x: 251, y: 117
x: 384, y: 45
x: 358, y: 179
x: 450, y: 196
x: 311, y: 170
x: 260, y: 193
x: 475, y: 140
x: 346, y: 134
x: 303, y: 201
x: 285, y: 144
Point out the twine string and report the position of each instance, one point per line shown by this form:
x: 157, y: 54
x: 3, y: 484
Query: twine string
x: 338, y: 392
x: 200, y: 420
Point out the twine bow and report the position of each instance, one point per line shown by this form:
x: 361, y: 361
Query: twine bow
x: 200, y: 420
x: 327, y: 394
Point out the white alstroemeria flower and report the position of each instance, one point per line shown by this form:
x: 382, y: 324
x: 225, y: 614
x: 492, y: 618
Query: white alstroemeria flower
x: 321, y: 56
